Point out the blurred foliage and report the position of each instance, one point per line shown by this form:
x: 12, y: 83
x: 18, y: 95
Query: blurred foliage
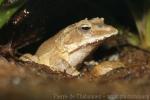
x: 141, y: 13
x: 8, y: 8
x: 133, y: 39
x: 1, y: 1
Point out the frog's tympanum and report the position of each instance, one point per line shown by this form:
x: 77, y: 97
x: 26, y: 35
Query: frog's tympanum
x: 70, y: 46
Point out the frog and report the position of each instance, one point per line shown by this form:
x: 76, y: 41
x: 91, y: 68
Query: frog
x: 64, y: 51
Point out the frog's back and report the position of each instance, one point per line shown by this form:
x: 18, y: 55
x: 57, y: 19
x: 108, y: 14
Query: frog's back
x: 45, y: 47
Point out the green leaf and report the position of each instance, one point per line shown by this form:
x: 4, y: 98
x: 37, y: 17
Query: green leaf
x: 6, y: 13
x: 133, y: 39
x: 141, y: 14
x: 1, y: 1
x: 147, y: 29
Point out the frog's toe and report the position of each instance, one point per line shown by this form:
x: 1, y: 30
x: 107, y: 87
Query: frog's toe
x: 28, y: 57
x: 75, y: 73
x: 25, y: 57
x: 72, y: 72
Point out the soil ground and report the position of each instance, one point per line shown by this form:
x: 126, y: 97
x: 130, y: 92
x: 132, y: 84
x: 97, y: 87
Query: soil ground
x: 20, y: 80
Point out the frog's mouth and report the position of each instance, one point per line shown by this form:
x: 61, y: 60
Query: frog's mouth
x: 93, y: 41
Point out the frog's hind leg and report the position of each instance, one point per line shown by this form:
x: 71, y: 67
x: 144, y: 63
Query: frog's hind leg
x: 105, y: 67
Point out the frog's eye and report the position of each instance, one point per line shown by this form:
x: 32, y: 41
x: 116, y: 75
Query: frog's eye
x: 85, y: 27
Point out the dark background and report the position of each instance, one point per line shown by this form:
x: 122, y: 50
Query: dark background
x: 47, y: 17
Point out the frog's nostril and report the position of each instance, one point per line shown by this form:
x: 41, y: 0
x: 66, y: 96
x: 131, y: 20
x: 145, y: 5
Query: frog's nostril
x: 109, y: 28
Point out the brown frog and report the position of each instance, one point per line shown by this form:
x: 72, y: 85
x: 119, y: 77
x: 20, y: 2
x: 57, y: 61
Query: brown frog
x: 69, y: 47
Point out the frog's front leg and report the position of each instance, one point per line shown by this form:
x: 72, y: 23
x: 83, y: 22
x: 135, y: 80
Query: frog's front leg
x: 105, y: 67
x: 63, y: 66
x: 29, y: 57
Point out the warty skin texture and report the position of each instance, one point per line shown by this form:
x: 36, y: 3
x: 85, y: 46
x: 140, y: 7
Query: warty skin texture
x: 70, y: 46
